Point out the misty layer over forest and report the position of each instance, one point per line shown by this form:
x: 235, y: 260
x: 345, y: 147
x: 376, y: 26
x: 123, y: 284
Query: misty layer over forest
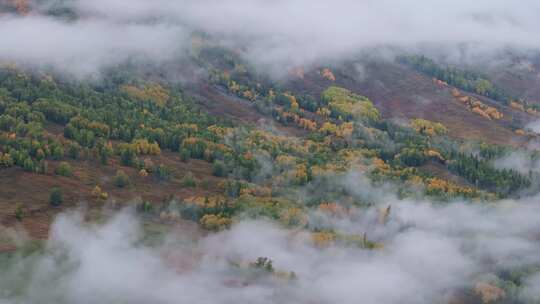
x: 84, y: 36
x: 286, y: 151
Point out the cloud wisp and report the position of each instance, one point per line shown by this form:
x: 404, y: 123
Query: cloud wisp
x: 283, y: 33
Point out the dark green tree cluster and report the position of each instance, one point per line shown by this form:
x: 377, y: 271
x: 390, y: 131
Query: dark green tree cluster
x: 480, y: 173
x: 462, y: 79
x: 91, y: 115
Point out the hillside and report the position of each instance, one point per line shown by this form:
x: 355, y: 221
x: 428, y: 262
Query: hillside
x: 173, y: 160
x: 46, y: 125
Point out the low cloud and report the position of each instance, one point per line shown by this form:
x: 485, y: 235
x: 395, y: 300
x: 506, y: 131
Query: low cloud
x: 430, y: 252
x: 84, y: 47
x: 283, y: 33
x: 533, y: 126
x: 522, y: 161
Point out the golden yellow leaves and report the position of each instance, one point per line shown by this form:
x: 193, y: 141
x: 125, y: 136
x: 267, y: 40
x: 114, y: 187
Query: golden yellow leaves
x: 293, y: 217
x: 219, y: 131
x: 520, y: 132
x: 343, y: 102
x: 434, y: 154
x: 258, y: 191
x: 492, y: 113
x: 307, y: 124
x: 215, y: 222
x: 323, y: 239
x: 301, y: 122
x: 520, y: 107
x: 268, y: 141
x: 301, y: 175
x: 324, y: 112
x: 234, y: 87
x: 249, y: 95
x: 143, y: 173
x: 485, y: 111
x: 208, y: 202
x: 6, y: 160
x: 144, y: 147
x: 532, y: 111
x: 152, y: 92
x: 211, y: 220
x: 326, y: 170
x: 286, y: 162
x: 292, y: 101
x: 517, y: 106
x: 476, y: 106
x: 379, y: 164
x: 427, y: 127
x: 190, y: 128
x: 344, y: 130
x: 415, y: 181
x: 437, y: 186
x: 99, y: 194
x: 329, y: 128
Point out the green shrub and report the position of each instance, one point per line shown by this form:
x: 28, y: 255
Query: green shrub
x: 185, y: 155
x: 163, y: 173
x: 219, y: 169
x: 28, y: 165
x: 64, y: 169
x: 205, y: 184
x: 56, y: 196
x: 121, y: 179
x: 58, y: 153
x: 145, y: 207
x: 189, y: 180
x: 19, y: 211
x: 73, y: 150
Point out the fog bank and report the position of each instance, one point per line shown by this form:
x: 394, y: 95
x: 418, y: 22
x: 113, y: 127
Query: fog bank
x: 283, y: 33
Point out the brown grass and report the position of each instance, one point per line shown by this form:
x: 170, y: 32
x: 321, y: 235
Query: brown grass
x: 32, y: 190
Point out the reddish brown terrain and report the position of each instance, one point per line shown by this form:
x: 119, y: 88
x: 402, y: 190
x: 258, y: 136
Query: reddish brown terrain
x: 403, y: 94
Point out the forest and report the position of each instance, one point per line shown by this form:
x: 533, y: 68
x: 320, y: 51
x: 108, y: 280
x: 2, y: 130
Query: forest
x: 148, y: 155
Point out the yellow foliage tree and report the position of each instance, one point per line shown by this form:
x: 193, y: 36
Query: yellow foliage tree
x: 427, y: 127
x: 144, y: 147
x: 143, y: 173
x: 323, y: 239
x: 152, y: 92
x: 328, y: 128
x: 215, y: 222
x: 99, y: 194
x: 343, y: 102
x: 301, y: 175
x: 293, y: 217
